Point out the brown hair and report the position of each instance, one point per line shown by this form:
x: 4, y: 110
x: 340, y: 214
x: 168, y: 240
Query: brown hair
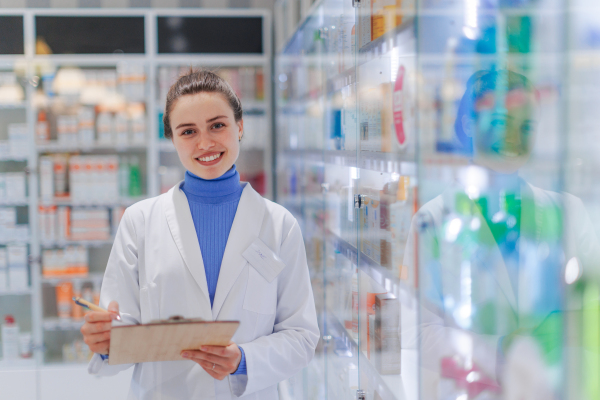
x: 198, y: 81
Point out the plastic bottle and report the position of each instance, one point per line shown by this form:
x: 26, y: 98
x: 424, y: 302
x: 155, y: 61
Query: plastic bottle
x: 123, y: 177
x: 42, y: 129
x: 135, y: 180
x: 10, y: 338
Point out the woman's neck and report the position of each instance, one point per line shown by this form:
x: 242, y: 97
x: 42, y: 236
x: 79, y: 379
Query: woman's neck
x: 226, y: 184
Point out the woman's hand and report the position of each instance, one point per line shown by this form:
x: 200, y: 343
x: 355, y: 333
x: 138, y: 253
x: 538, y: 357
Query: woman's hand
x: 218, y: 361
x: 96, y: 329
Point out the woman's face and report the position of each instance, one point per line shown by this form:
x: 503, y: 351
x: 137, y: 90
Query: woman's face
x: 205, y: 134
x: 504, y: 130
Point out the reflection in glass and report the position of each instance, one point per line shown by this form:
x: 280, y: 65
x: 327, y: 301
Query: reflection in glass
x: 492, y: 256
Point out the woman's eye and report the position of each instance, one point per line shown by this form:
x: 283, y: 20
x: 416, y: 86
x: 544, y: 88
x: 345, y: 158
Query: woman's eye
x: 187, y: 132
x: 218, y: 125
x: 498, y: 122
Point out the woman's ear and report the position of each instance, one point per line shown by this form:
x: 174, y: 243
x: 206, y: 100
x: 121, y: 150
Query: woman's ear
x: 240, y: 125
x: 468, y: 125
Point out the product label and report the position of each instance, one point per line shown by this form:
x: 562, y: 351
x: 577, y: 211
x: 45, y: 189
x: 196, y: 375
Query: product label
x: 398, y: 107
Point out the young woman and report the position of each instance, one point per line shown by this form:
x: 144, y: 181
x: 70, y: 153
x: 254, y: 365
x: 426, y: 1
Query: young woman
x: 185, y: 253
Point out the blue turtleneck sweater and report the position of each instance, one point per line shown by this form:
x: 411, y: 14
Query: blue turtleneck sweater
x: 213, y: 204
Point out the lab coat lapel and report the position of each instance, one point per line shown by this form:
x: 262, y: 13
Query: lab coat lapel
x: 181, y: 224
x: 500, y: 272
x: 244, y: 230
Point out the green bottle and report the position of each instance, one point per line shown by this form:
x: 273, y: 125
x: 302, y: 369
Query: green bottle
x: 135, y: 179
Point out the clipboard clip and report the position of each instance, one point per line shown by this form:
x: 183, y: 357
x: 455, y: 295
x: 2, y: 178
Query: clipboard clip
x: 176, y: 319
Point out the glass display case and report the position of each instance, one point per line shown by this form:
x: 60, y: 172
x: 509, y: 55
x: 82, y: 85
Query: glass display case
x: 438, y: 155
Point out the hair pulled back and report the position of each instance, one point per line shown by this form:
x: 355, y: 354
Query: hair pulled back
x: 199, y: 81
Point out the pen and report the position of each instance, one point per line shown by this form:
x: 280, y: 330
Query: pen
x: 91, y: 306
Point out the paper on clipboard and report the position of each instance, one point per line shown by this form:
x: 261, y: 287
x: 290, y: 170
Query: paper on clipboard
x: 165, y: 340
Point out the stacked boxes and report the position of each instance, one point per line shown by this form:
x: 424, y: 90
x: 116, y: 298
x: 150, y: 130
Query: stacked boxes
x: 14, y: 272
x: 16, y: 147
x: 94, y: 179
x: 82, y: 179
x: 72, y: 260
x: 59, y: 224
x: 386, y: 335
x: 90, y: 224
x: 9, y: 230
x: 247, y: 82
x: 13, y: 188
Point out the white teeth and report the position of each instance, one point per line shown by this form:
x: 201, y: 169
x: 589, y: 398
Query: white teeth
x: 206, y: 159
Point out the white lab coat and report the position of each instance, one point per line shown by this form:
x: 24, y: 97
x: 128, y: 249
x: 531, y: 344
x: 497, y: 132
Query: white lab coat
x: 439, y: 335
x: 155, y: 271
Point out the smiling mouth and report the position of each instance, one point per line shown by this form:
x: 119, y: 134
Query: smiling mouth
x: 210, y: 158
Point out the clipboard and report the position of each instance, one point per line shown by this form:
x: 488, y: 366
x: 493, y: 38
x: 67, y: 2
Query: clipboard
x: 165, y: 340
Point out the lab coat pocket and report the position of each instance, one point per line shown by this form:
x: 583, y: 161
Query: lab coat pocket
x: 148, y: 309
x: 261, y: 290
x: 261, y: 296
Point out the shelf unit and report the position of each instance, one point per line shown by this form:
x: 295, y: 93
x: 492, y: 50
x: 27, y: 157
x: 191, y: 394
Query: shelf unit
x: 155, y: 153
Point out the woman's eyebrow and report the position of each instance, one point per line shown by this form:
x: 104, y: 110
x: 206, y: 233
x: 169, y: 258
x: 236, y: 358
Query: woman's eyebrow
x: 215, y: 118
x: 184, y: 125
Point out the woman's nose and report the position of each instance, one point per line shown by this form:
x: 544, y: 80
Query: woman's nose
x: 204, y: 141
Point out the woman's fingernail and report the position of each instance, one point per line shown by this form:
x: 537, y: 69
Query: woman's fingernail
x: 185, y: 355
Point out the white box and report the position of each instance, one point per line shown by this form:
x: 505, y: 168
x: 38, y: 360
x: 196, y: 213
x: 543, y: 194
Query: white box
x: 17, y: 255
x: 15, y: 186
x: 18, y: 277
x: 8, y: 217
x: 46, y: 180
x: 17, y: 138
x: 3, y: 187
x: 3, y: 269
x: 21, y: 232
x: 63, y: 223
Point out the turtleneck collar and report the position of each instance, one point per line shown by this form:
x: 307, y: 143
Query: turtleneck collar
x: 222, y: 187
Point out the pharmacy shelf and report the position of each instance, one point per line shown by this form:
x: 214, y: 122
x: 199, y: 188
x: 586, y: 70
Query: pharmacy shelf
x: 12, y: 106
x: 379, y: 274
x: 166, y: 145
x: 4, y: 242
x: 58, y: 324
x: 86, y: 243
x: 384, y: 384
x: 386, y: 42
x: 84, y: 148
x: 402, y: 164
x: 16, y: 292
x: 18, y: 364
x: 73, y: 278
x: 14, y: 203
x: 13, y: 158
x: 122, y: 202
x: 247, y: 105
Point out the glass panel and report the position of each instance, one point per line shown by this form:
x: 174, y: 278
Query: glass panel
x: 387, y: 181
x: 180, y: 35
x: 89, y: 35
x: 300, y: 171
x: 490, y: 220
x: 582, y: 321
x: 341, y: 218
x: 11, y: 32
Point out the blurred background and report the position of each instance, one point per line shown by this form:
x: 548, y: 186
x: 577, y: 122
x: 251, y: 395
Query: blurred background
x: 439, y: 155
